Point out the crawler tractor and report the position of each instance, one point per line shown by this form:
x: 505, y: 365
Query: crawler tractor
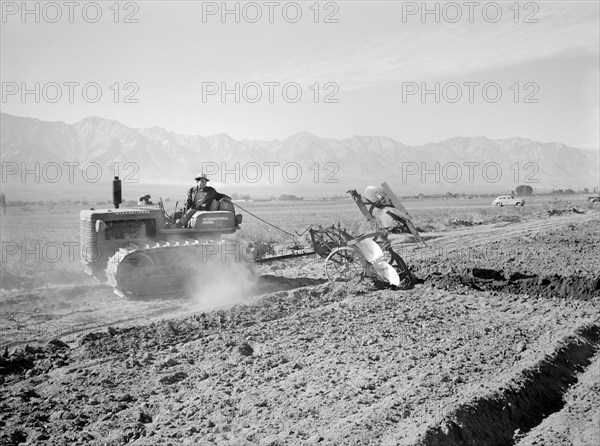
x: 139, y: 252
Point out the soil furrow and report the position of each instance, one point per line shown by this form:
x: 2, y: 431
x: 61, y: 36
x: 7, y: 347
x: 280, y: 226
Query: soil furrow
x: 525, y: 401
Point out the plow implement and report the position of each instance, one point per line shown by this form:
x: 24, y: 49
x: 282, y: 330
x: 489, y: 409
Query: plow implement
x: 351, y: 259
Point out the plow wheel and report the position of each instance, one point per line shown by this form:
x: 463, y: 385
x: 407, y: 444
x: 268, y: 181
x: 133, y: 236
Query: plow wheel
x: 345, y: 264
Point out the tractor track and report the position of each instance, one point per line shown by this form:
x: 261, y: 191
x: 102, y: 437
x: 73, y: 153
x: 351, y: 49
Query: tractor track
x: 484, y: 234
x: 505, y: 415
x: 553, y: 286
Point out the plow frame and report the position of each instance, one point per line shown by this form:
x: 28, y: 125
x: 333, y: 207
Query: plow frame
x: 348, y: 259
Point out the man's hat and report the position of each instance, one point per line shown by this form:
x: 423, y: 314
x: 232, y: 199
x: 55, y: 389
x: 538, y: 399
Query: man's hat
x: 201, y: 176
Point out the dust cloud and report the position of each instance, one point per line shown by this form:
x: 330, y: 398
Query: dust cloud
x: 221, y: 281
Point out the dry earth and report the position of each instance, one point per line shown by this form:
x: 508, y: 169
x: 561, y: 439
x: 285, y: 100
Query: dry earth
x: 498, y: 345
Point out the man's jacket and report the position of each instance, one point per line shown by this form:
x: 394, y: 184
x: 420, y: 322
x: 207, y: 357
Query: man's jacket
x: 200, y: 198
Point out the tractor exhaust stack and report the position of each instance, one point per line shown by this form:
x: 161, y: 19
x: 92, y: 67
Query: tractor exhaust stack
x: 117, y: 199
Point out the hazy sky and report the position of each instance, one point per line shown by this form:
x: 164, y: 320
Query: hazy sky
x: 376, y: 51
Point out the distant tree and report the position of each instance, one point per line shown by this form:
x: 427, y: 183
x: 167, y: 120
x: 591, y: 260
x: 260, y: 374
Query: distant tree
x: 524, y: 189
x: 236, y: 196
x: 288, y: 197
x: 569, y: 192
x: 586, y: 190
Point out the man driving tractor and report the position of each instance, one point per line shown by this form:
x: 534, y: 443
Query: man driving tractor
x: 199, y: 198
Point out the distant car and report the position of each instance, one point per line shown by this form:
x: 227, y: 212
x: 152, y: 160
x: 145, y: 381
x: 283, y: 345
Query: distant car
x: 508, y: 200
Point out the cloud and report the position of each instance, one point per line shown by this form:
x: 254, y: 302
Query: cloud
x: 439, y: 50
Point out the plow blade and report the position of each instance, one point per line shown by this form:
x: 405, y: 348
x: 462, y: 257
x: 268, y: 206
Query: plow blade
x: 387, y: 273
x: 373, y: 254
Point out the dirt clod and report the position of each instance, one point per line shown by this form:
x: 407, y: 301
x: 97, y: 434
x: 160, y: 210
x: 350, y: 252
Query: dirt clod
x: 174, y: 378
x: 487, y: 274
x: 246, y: 349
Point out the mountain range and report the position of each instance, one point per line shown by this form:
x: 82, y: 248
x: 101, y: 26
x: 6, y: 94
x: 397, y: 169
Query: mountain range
x: 300, y: 161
